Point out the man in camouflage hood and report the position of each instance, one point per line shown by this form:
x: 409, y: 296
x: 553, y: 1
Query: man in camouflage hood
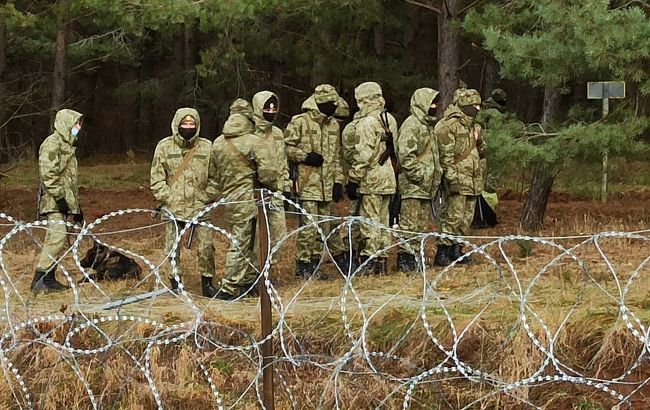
x: 461, y: 146
x: 240, y: 163
x: 265, y: 108
x: 312, y: 140
x: 179, y: 181
x: 58, y: 171
x: 370, y: 182
x: 493, y: 112
x: 420, y: 172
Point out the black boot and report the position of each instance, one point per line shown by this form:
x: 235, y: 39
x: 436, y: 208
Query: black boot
x: 381, y: 266
x: 342, y: 260
x: 209, y: 291
x: 174, y: 285
x: 50, y: 281
x: 37, y: 282
x: 303, y: 269
x: 443, y: 256
x: 457, y: 253
x: 223, y: 295
x: 46, y: 282
x: 316, y: 272
x: 406, y: 262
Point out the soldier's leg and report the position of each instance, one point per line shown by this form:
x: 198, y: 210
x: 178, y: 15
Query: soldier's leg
x: 308, y: 241
x: 335, y: 243
x: 414, y: 217
x: 451, y: 217
x: 277, y: 225
x: 56, y: 241
x: 468, y: 214
x: 241, y: 258
x: 375, y: 208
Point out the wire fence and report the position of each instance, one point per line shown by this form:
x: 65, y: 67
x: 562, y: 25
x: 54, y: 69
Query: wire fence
x: 354, y: 341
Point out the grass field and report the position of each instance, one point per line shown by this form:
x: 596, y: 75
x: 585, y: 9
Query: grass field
x: 473, y: 311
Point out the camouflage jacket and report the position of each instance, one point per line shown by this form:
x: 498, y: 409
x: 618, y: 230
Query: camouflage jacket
x: 417, y: 149
x: 370, y: 138
x: 189, y: 193
x: 460, y: 153
x: 57, y: 165
x: 274, y: 135
x: 238, y: 157
x: 308, y: 132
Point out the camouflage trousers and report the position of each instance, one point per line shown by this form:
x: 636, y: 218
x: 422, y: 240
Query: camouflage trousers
x: 414, y: 217
x: 277, y: 224
x: 201, y: 241
x: 456, y: 216
x: 309, y: 243
x: 372, y: 239
x: 242, y: 256
x: 56, y: 242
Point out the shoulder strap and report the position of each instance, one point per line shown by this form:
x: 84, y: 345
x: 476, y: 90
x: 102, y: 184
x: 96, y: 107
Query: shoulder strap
x: 238, y: 153
x: 184, y: 164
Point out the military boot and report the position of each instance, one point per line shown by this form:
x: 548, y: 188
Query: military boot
x: 304, y: 269
x: 316, y: 272
x: 173, y: 285
x: 223, y: 295
x: 209, y: 291
x: 406, y: 262
x: 380, y: 266
x: 457, y: 254
x: 46, y: 282
x: 343, y: 262
x: 443, y: 256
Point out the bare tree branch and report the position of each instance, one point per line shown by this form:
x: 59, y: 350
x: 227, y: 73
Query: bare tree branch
x: 424, y: 5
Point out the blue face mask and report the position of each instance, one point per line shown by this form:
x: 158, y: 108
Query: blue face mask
x: 74, y: 132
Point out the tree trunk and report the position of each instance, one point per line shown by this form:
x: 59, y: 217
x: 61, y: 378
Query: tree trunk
x: 320, y: 73
x: 448, y: 51
x: 541, y: 184
x: 3, y: 66
x: 379, y: 40
x: 190, y: 46
x: 60, y: 69
x: 490, y: 76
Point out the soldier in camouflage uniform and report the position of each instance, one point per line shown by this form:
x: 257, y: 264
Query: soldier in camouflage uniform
x: 241, y: 162
x: 312, y: 140
x: 461, y: 145
x: 420, y: 172
x: 265, y: 108
x: 493, y: 111
x: 179, y: 180
x: 369, y: 182
x: 58, y: 171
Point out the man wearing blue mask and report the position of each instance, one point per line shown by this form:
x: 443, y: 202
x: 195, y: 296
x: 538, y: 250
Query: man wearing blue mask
x: 59, y: 197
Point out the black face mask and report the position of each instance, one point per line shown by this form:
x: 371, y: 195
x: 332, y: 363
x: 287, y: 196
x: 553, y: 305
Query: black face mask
x: 269, y: 116
x: 469, y: 110
x: 187, y: 133
x: 432, y: 112
x: 327, y: 108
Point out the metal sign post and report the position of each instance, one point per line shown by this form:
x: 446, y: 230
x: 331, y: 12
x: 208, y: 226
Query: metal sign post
x: 265, y: 305
x: 604, y: 90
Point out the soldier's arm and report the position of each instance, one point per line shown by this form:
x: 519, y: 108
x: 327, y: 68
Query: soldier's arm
x: 364, y: 150
x: 213, y: 186
x: 267, y: 165
x: 51, y: 166
x: 285, y: 182
x: 437, y: 169
x: 446, y: 145
x: 292, y: 136
x: 339, y: 176
x: 481, y: 146
x: 158, y: 177
x: 407, y: 146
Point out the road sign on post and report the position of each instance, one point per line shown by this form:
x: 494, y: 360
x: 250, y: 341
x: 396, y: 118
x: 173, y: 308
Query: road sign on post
x: 604, y: 90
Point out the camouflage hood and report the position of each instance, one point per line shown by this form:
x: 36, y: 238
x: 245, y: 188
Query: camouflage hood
x: 259, y: 100
x: 490, y: 103
x: 454, y: 111
x: 369, y: 98
x: 63, y: 123
x: 310, y: 106
x: 420, y: 103
x: 176, y: 121
x: 237, y: 125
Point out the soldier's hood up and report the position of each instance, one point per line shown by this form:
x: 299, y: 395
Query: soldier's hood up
x: 178, y: 117
x: 259, y: 100
x: 454, y: 111
x: 63, y: 123
x: 369, y: 98
x: 310, y: 106
x: 420, y: 103
x: 237, y: 125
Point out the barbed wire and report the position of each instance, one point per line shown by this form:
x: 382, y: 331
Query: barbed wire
x: 433, y: 319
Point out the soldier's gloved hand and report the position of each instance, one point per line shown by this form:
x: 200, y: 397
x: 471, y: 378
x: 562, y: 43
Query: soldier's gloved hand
x: 78, y: 218
x: 287, y: 196
x: 63, y: 206
x: 337, y: 192
x: 314, y: 159
x: 351, y: 190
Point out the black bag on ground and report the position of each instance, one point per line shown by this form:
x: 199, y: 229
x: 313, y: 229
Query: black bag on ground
x: 484, y: 215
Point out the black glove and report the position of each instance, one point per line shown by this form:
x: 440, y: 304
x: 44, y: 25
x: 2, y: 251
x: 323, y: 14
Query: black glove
x: 287, y: 196
x: 314, y: 159
x: 337, y: 192
x: 63, y: 206
x: 78, y: 218
x: 351, y: 189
